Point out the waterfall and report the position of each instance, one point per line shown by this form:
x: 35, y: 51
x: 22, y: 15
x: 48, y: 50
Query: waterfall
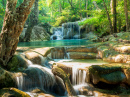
x: 57, y: 34
x: 35, y: 76
x: 70, y: 30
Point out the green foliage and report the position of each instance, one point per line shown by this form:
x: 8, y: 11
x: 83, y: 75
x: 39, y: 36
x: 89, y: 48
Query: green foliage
x: 2, y: 12
x: 57, y: 12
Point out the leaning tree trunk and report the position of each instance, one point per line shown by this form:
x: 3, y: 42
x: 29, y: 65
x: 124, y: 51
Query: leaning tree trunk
x: 126, y: 15
x: 12, y: 27
x: 33, y: 20
x: 108, y: 16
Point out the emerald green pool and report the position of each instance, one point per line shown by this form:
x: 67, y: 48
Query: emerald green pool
x: 55, y: 43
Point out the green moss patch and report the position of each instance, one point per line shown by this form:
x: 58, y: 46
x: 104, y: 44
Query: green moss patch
x: 12, y: 92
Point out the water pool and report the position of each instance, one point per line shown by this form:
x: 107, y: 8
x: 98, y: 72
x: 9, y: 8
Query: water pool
x: 55, y: 43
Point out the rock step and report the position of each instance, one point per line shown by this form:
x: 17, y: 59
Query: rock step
x: 82, y: 55
x: 82, y: 49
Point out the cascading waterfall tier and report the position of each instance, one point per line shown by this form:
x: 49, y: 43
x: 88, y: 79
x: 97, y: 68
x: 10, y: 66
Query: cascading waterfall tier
x: 70, y: 30
x: 35, y: 76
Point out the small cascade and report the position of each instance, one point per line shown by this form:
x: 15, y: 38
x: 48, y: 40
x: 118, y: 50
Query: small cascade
x: 70, y: 30
x: 36, y: 76
x: 78, y: 76
x: 44, y: 62
x: 79, y: 81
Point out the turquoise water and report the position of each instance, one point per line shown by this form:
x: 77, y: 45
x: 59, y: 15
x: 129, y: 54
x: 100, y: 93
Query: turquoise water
x: 54, y: 43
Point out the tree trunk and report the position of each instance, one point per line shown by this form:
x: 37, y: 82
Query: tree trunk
x: 12, y: 27
x: 114, y: 17
x: 80, y: 8
x: 63, y: 4
x: 71, y: 3
x: 60, y: 8
x: 86, y: 6
x: 33, y: 20
x: 126, y: 15
x: 111, y: 3
x: 95, y: 4
x: 108, y: 16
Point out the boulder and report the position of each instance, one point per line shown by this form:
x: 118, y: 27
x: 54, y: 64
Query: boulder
x: 39, y: 33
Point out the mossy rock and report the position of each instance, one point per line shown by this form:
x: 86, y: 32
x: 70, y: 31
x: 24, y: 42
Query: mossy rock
x: 123, y: 35
x: 16, y: 63
x: 103, y: 48
x: 12, y: 92
x: 106, y: 51
x: 98, y: 44
x: 108, y: 73
x: 105, y: 68
x: 6, y: 79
